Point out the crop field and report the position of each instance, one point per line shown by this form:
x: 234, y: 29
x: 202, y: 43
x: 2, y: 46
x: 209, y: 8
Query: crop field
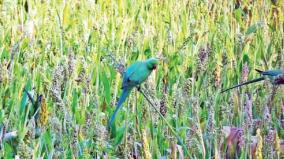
x: 62, y: 65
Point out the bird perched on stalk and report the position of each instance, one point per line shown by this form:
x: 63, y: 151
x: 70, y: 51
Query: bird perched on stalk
x: 134, y: 75
x: 276, y: 77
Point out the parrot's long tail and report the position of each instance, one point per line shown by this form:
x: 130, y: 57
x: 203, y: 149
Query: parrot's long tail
x: 125, y: 94
x: 245, y: 83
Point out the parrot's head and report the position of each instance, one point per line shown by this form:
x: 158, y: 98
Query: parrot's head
x: 152, y: 63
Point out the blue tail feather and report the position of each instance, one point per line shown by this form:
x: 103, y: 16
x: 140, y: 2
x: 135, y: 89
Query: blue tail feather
x: 125, y: 94
x: 245, y: 83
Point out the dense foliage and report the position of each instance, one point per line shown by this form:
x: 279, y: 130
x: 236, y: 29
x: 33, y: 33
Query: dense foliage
x: 60, y: 65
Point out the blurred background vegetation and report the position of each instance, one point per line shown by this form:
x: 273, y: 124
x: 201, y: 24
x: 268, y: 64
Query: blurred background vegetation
x: 66, y: 56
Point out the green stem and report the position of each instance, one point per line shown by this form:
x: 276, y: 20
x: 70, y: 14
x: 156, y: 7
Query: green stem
x: 169, y: 125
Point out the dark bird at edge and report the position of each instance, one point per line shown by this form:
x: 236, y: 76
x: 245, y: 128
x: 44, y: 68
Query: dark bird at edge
x: 276, y: 77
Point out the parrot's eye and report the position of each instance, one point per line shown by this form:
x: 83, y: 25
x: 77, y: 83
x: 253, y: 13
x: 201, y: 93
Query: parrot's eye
x: 154, y: 67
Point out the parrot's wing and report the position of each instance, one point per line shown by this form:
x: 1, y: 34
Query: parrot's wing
x: 128, y: 81
x: 141, y: 74
x: 132, y: 68
x: 273, y: 72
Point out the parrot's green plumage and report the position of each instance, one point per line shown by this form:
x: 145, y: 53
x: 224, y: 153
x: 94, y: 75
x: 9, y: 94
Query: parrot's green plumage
x: 275, y: 76
x: 134, y: 75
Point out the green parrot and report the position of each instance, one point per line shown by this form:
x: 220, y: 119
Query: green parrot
x: 134, y: 75
x: 276, y: 77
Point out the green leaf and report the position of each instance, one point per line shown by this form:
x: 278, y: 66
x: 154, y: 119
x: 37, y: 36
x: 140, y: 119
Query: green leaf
x: 147, y: 52
x: 66, y: 15
x: 106, y: 84
x: 238, y: 14
x: 74, y: 101
x: 80, y: 117
x: 8, y: 151
x: 5, y: 54
x: 245, y: 58
x: 119, y: 136
x: 113, y: 130
x: 8, y: 36
x: 25, y: 98
x: 135, y: 54
x: 24, y: 44
x: 47, y: 140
